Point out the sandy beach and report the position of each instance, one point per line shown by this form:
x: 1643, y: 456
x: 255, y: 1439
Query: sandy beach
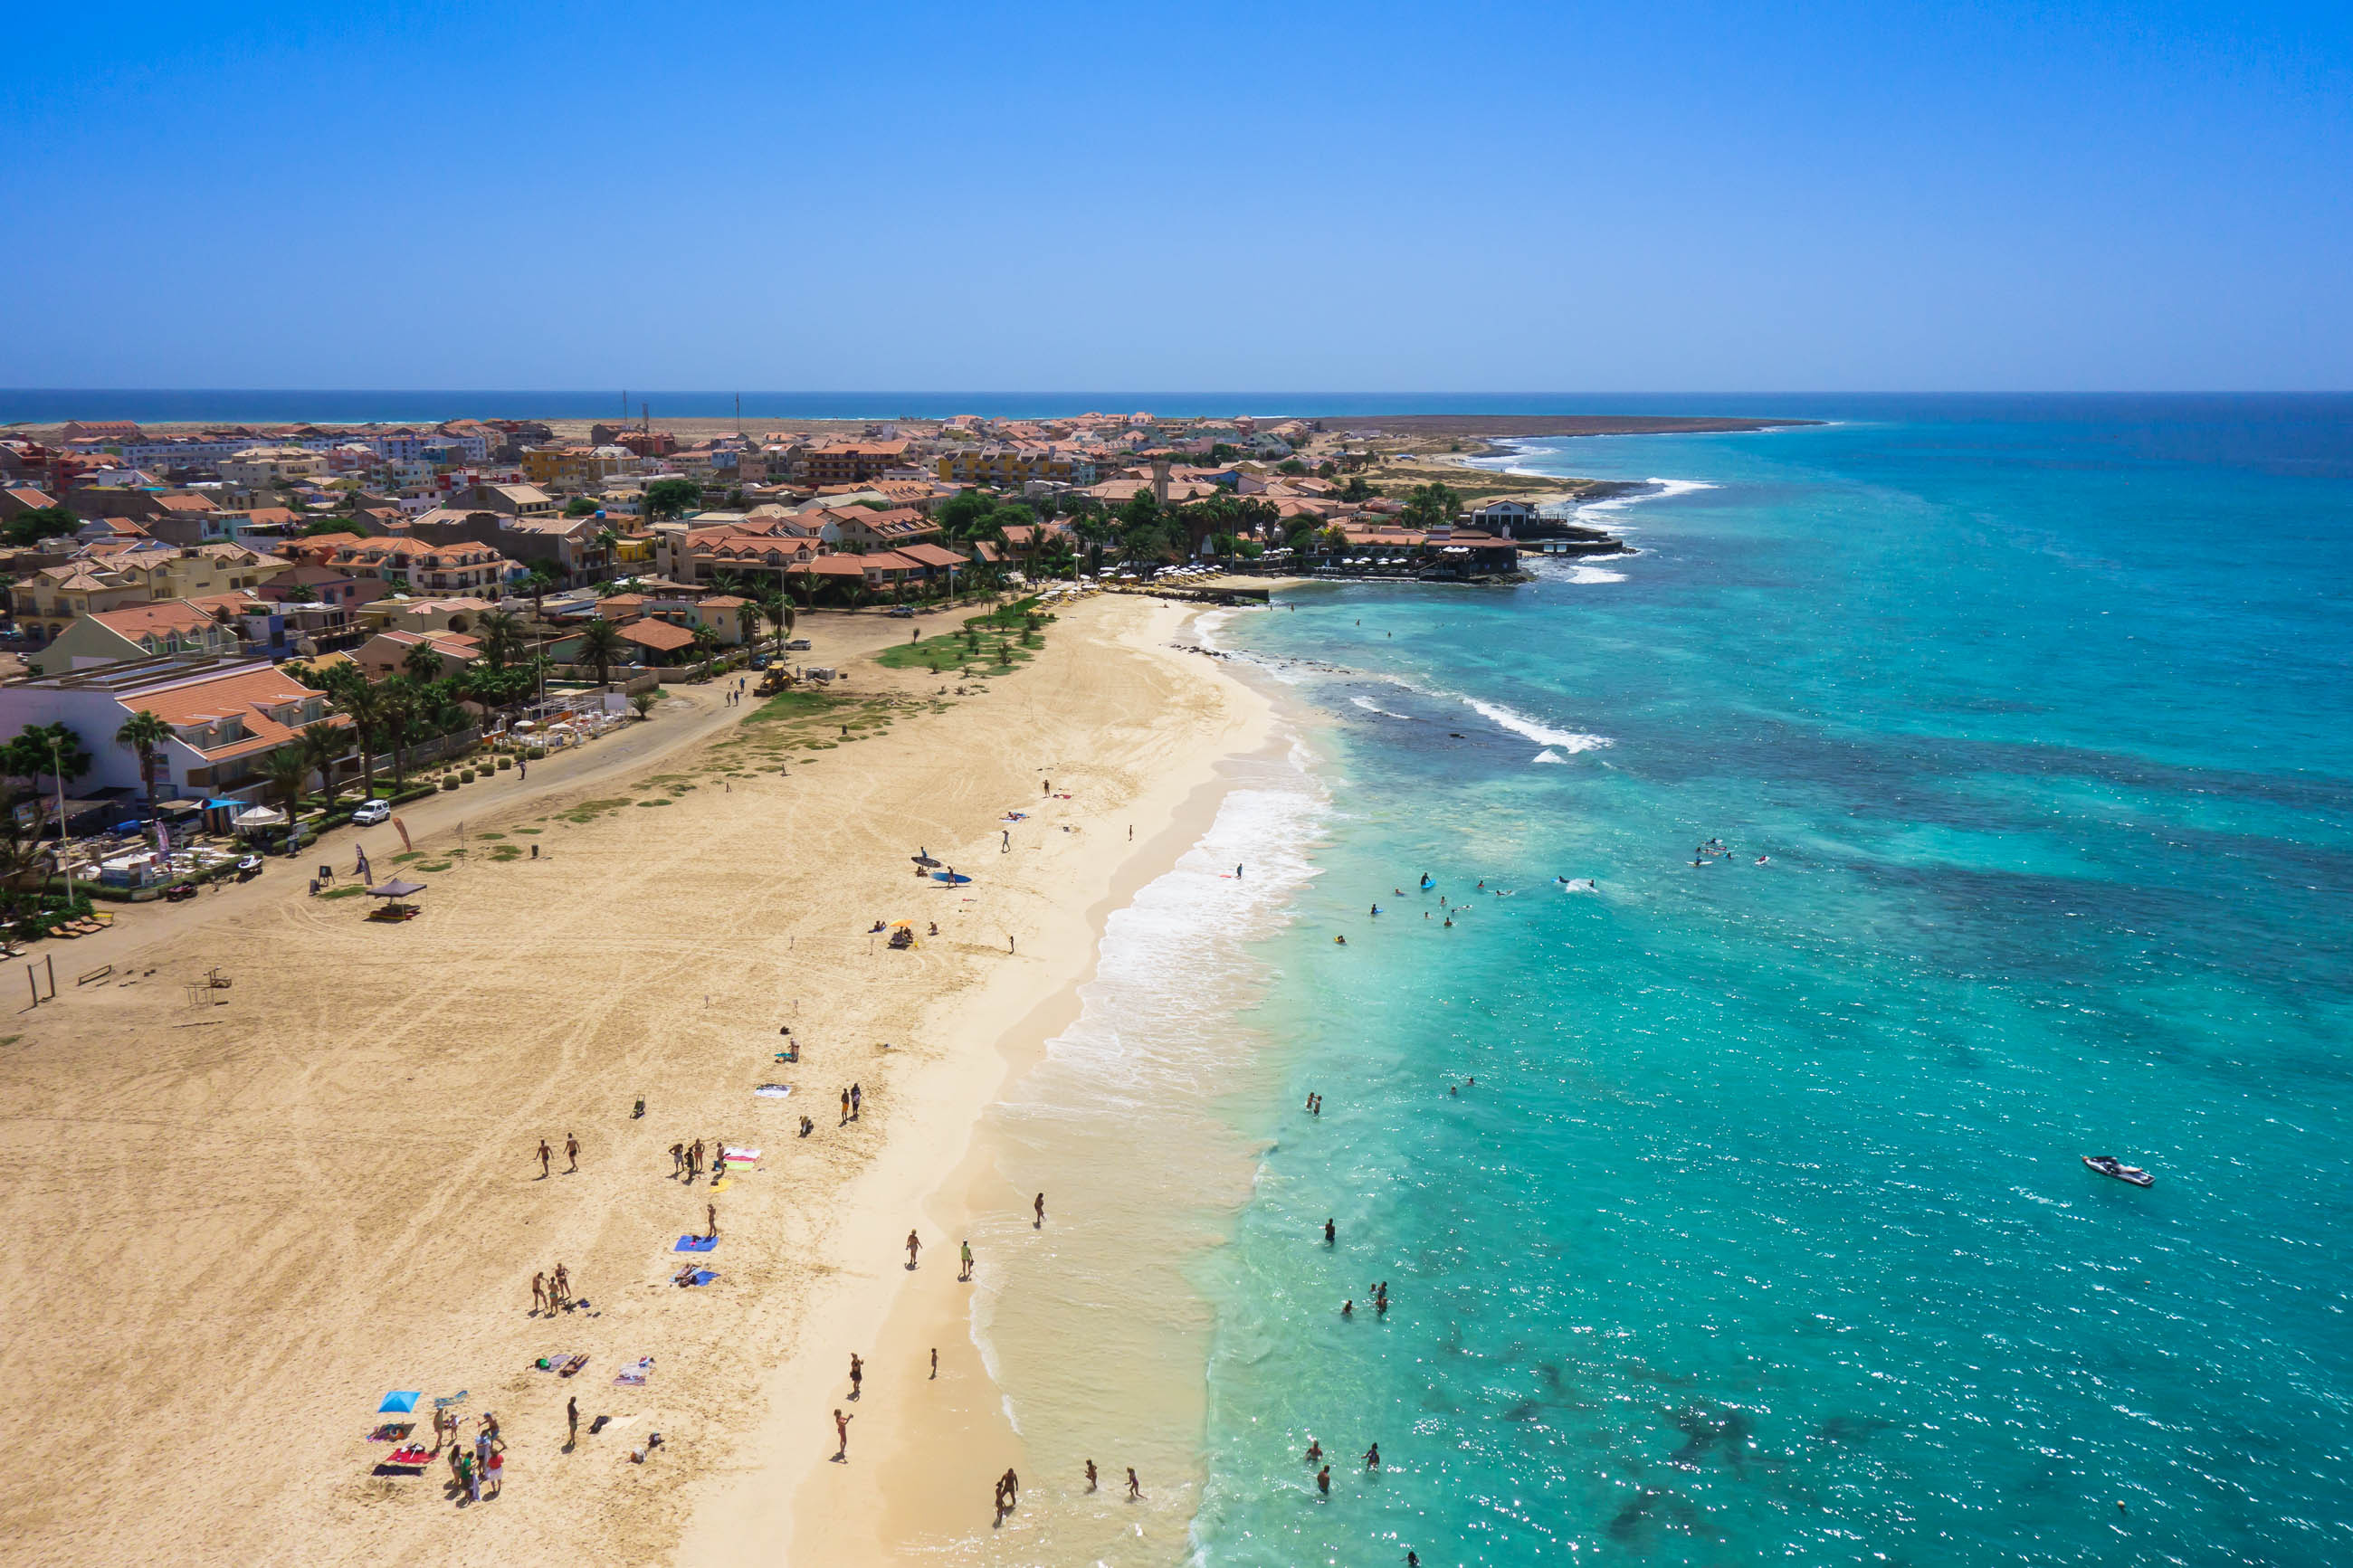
x: 236, y: 1218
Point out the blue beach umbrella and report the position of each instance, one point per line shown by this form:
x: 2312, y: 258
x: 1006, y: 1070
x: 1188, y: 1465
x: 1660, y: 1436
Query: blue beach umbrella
x: 400, y: 1403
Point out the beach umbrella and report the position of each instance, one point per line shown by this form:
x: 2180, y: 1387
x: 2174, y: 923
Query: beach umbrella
x: 400, y: 1403
x: 396, y: 889
x: 261, y: 817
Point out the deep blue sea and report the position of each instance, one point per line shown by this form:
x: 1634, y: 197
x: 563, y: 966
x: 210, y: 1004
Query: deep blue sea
x: 1763, y: 1235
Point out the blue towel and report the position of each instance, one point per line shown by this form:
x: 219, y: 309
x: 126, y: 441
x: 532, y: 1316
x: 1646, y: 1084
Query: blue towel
x: 695, y: 1243
x: 704, y: 1276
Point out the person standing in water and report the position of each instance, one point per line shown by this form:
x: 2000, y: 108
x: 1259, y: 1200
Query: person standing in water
x: 1134, y: 1487
x: 1331, y: 1232
x: 1091, y: 1475
x: 1039, y: 1207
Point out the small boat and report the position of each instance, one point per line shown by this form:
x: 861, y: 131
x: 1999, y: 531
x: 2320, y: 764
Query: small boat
x: 248, y: 866
x: 2109, y: 1165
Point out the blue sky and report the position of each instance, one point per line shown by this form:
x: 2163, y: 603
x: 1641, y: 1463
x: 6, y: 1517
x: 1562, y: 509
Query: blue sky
x: 1348, y: 197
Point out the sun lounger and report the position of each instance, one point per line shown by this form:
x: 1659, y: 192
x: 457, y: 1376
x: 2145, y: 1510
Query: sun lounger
x: 634, y: 1375
x: 696, y: 1244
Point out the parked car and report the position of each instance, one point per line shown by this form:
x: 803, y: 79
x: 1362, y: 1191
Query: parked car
x: 900, y: 612
x: 372, y: 812
x: 798, y: 645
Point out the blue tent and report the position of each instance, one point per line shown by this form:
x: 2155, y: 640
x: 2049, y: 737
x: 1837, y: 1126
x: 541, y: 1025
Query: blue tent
x: 400, y: 1403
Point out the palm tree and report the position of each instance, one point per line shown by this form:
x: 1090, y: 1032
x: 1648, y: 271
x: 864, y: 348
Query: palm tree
x: 537, y: 584
x: 421, y: 663
x: 365, y: 705
x: 705, y: 642
x: 323, y: 746
x: 145, y: 733
x: 779, y: 612
x: 502, y: 638
x: 643, y: 701
x: 398, y: 712
x: 601, y: 645
x: 288, y: 769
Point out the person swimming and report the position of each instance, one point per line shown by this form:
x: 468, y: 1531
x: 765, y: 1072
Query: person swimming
x: 1376, y: 909
x: 1425, y: 882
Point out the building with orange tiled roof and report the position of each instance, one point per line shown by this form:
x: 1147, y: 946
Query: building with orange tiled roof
x: 227, y: 716
x: 142, y: 631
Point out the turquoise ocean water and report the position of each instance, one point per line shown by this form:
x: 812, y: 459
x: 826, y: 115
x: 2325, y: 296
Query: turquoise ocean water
x: 1763, y: 1236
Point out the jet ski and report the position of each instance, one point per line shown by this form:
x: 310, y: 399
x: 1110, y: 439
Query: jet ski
x: 2109, y: 1165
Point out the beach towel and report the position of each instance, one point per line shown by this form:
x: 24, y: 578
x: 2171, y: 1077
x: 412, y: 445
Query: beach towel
x: 392, y: 1431
x: 693, y: 1277
x: 773, y: 1090
x: 634, y: 1375
x: 414, y: 1453
x: 551, y: 1363
x: 569, y: 1367
x: 456, y: 1398
x: 721, y: 1184
x: 696, y: 1244
x: 733, y: 1153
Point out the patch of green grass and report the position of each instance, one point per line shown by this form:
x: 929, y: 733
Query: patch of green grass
x: 489, y: 836
x: 589, y: 811
x: 7, y: 1040
x: 531, y: 829
x: 403, y: 858
x: 506, y: 852
x: 343, y: 892
x: 787, y: 705
x: 653, y: 803
x: 436, y: 866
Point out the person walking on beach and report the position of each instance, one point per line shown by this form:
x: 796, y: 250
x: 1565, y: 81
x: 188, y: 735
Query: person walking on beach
x: 841, y: 1432
x: 571, y: 1152
x: 1040, y: 1207
x: 856, y: 1102
x: 677, y: 1160
x: 711, y: 1220
x: 560, y: 1292
x: 845, y: 1108
x: 1091, y: 1475
x: 1134, y: 1487
x: 538, y: 1293
x: 572, y: 1421
x: 966, y: 1249
x: 914, y: 1244
x: 1011, y: 1484
x: 857, y: 1374
x: 545, y: 1154
x: 935, y: 1362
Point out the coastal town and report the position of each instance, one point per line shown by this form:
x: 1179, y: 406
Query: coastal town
x: 220, y: 640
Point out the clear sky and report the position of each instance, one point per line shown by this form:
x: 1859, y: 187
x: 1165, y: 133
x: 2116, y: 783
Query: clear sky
x: 1360, y: 196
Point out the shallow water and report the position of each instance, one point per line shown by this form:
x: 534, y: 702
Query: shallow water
x: 1764, y: 1233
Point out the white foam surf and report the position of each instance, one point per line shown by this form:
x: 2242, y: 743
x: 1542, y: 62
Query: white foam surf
x: 1535, y: 730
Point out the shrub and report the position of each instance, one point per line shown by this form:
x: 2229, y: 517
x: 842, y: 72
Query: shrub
x: 533, y: 754
x: 448, y: 784
x: 465, y: 775
x: 505, y: 763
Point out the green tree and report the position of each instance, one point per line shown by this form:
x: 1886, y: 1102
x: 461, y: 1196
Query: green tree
x: 1432, y: 506
x: 33, y: 524
x: 672, y: 498
x: 536, y: 585
x: 145, y: 733
x: 323, y: 745
x: 44, y: 752
x: 642, y: 703
x: 500, y: 635
x: 402, y: 715
x: 421, y: 663
x: 779, y: 610
x: 602, y: 646
x: 580, y: 506
x: 364, y: 706
x: 286, y: 769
